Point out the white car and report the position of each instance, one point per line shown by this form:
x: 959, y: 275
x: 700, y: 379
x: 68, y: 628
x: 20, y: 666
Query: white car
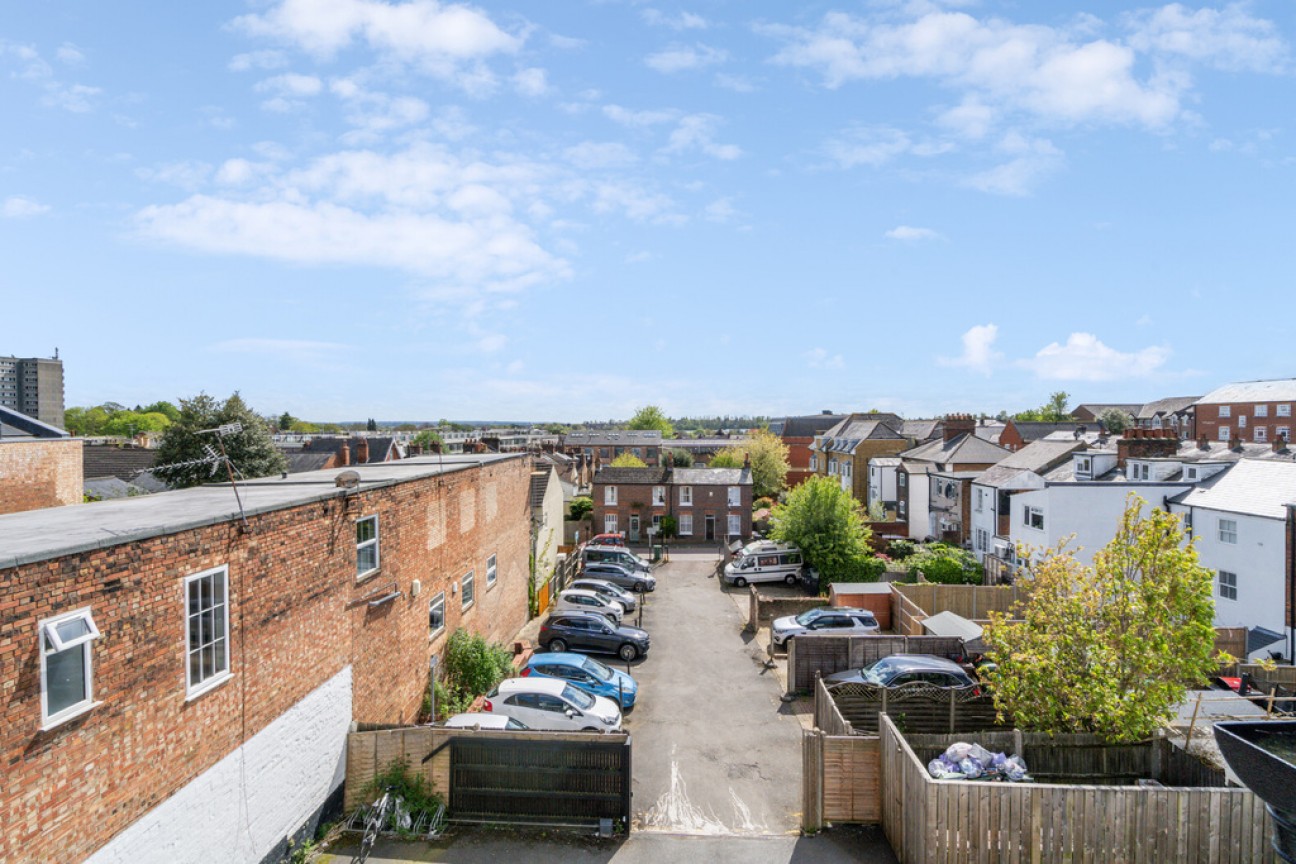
x: 479, y: 720
x: 576, y: 600
x: 550, y: 703
x: 608, y: 591
x: 824, y: 619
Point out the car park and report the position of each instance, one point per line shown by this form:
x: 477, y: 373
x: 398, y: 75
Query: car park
x: 764, y: 561
x: 615, y: 555
x: 584, y: 631
x: 589, y: 674
x: 899, y: 670
x: 635, y: 580
x: 549, y: 703
x: 576, y: 600
x: 824, y: 619
x: 608, y: 591
x: 480, y: 720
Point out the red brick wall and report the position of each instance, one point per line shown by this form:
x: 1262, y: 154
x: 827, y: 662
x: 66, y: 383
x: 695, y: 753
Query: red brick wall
x: 711, y: 500
x: 298, y: 617
x: 1209, y: 421
x: 1011, y: 438
x: 798, y: 460
x: 40, y: 473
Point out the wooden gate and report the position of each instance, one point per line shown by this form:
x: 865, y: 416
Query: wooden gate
x: 498, y: 779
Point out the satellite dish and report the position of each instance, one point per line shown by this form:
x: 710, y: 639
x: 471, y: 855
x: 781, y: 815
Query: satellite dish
x: 347, y: 480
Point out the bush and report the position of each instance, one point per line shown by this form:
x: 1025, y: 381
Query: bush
x: 413, y: 788
x: 947, y: 565
x: 899, y: 550
x: 763, y: 503
x: 474, y: 665
x: 581, y: 506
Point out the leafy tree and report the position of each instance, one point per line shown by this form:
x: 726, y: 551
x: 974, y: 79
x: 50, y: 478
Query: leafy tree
x: 828, y: 526
x: 372, y: 425
x: 286, y: 421
x: 1108, y: 649
x: 129, y: 423
x: 769, y: 461
x: 251, y: 451
x: 651, y: 417
x: 581, y: 506
x: 628, y: 460
x: 681, y: 458
x: 1052, y: 411
x: 428, y: 439
x: 1114, y: 420
x: 85, y: 422
x: 947, y: 565
x: 164, y: 407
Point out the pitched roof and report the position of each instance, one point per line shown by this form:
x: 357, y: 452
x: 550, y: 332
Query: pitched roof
x: 1097, y: 408
x: 810, y: 425
x: 920, y: 430
x: 539, y: 485
x: 851, y: 431
x: 379, y: 447
x: 630, y: 476
x: 124, y: 463
x: 1252, y: 487
x: 1033, y: 430
x: 1170, y: 405
x: 966, y: 449
x: 711, y: 476
x: 619, y: 437
x: 299, y: 462
x: 1278, y: 390
x: 15, y: 424
x: 1038, y: 457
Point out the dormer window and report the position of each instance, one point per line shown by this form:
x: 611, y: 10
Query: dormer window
x: 1084, y: 465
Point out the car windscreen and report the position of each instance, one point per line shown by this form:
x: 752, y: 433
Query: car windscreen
x: 516, y: 724
x: 806, y: 618
x: 597, y: 669
x: 579, y: 698
x: 882, y: 671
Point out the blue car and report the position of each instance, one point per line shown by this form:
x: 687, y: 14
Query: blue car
x: 586, y: 673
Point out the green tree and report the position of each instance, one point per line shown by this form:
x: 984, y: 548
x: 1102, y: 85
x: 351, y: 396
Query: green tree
x: 251, y: 451
x: 581, y: 506
x: 164, y: 407
x: 651, y: 417
x: 371, y: 425
x: 681, y: 458
x: 301, y: 427
x: 286, y: 421
x: 129, y: 423
x: 827, y: 524
x: 1114, y: 420
x: 628, y: 460
x: 1108, y: 649
x: 428, y: 440
x: 1052, y: 411
x: 85, y: 422
x: 947, y: 565
x: 769, y: 461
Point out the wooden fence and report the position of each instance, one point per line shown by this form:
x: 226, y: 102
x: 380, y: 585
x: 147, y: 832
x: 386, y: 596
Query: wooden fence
x: 966, y: 821
x: 840, y: 779
x: 973, y: 602
x: 1231, y: 640
x: 906, y: 615
x: 826, y: 653
x: 918, y: 708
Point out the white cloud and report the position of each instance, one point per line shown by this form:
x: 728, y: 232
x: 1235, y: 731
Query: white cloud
x: 288, y: 92
x: 446, y: 40
x: 188, y: 175
x: 697, y: 132
x: 1085, y: 358
x: 872, y: 146
x: 531, y: 82
x: 736, y: 83
x: 679, y: 58
x: 69, y: 54
x: 626, y: 117
x: 637, y: 203
x: 258, y: 60
x: 1031, y: 160
x: 978, y: 350
x: 911, y: 234
x: 641, y: 257
x: 373, y: 114
x: 600, y: 154
x: 31, y: 67
x: 682, y: 21
x: 721, y: 210
x: 490, y: 343
x: 1227, y: 38
x: 819, y: 358
x: 21, y: 207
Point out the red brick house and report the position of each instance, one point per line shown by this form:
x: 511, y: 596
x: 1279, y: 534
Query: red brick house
x: 708, y: 504
x: 798, y: 433
x: 179, y: 684
x: 1256, y: 411
x: 600, y: 448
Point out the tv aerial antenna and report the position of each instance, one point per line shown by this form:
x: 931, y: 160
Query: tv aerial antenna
x: 216, y: 461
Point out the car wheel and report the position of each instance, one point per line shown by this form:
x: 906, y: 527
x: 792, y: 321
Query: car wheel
x: 627, y: 652
x: 740, y: 582
x: 790, y: 579
x: 557, y: 646
x: 639, y: 587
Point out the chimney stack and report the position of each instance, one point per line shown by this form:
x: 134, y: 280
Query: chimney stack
x: 747, y: 462
x: 958, y: 424
x: 362, y: 451
x: 1203, y: 443
x: 1146, y: 444
x: 343, y: 455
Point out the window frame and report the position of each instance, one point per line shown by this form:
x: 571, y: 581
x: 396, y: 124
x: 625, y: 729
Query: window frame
x: 438, y: 599
x: 1283, y: 410
x: 492, y: 570
x: 375, y: 543
x: 467, y: 591
x: 1260, y: 410
x: 1226, y: 411
x: 659, y: 496
x: 686, y: 524
x: 1226, y: 588
x: 194, y: 690
x: 610, y: 523
x: 47, y: 629
x: 1260, y: 434
x: 609, y: 496
x: 686, y: 496
x: 1027, y: 512
x: 734, y: 496
x: 735, y: 525
x: 1229, y: 534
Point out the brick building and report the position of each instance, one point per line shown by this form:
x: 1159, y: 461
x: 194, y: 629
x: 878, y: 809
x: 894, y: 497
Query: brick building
x: 933, y: 479
x: 40, y: 466
x: 179, y: 687
x: 1256, y: 411
x: 708, y: 504
x: 600, y: 448
x: 844, y: 451
x: 799, y: 433
x: 1017, y: 434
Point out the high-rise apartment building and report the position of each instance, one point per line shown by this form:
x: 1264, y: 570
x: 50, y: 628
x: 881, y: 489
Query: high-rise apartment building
x: 33, y: 386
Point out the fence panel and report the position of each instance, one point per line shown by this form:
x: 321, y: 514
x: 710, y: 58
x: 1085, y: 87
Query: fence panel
x: 973, y: 602
x: 827, y: 653
x: 918, y: 708
x: 851, y: 779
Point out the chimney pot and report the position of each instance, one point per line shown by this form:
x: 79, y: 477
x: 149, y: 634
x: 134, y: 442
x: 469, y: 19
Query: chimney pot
x: 344, y: 455
x: 362, y: 451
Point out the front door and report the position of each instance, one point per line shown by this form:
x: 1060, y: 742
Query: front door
x: 634, y: 527
x: 710, y: 527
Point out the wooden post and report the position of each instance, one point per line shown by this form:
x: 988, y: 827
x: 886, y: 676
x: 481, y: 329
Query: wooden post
x: 811, y: 780
x: 1192, y: 723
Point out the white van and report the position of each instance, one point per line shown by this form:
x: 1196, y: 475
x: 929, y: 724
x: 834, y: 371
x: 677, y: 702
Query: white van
x: 764, y: 562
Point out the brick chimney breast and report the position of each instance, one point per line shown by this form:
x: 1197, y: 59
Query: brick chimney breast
x: 362, y: 451
x: 958, y: 424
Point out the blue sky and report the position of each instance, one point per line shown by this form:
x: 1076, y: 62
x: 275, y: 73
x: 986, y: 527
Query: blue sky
x: 564, y: 210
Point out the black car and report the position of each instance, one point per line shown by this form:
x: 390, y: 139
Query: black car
x: 901, y: 669
x: 623, y: 576
x: 582, y: 631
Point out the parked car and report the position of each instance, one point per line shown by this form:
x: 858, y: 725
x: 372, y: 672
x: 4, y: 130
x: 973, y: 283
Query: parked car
x: 608, y: 590
x: 595, y: 678
x: 576, y: 600
x: 825, y: 619
x: 614, y: 555
x: 764, y: 562
x: 635, y: 580
x: 585, y: 631
x: 548, y: 703
x: 900, y: 669
x: 617, y: 539
x: 471, y: 719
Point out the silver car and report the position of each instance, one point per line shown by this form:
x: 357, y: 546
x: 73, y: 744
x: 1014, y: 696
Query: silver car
x: 824, y: 619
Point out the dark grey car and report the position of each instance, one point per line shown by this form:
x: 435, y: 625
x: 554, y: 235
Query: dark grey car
x: 582, y: 631
x: 623, y: 576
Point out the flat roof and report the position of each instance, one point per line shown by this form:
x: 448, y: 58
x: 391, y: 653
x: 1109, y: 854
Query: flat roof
x: 39, y: 535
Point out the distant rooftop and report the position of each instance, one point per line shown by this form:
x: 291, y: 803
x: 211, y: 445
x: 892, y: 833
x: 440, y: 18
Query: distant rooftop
x: 1277, y: 390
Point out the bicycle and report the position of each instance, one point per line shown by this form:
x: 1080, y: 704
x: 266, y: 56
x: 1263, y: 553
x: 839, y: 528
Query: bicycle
x: 374, y: 824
